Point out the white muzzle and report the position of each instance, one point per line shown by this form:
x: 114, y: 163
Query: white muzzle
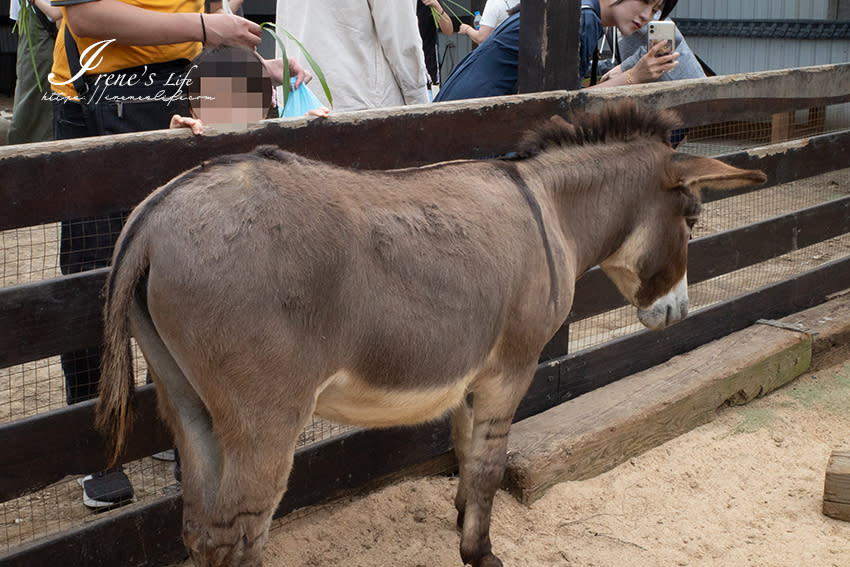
x: 667, y: 310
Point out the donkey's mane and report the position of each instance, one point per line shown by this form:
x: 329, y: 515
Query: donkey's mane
x: 615, y: 123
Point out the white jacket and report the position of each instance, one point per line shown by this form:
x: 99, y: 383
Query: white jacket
x: 370, y: 50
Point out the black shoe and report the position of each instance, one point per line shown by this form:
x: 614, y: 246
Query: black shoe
x: 107, y: 489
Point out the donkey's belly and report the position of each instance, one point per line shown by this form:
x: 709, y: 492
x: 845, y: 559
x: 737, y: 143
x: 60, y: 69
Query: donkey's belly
x: 348, y: 399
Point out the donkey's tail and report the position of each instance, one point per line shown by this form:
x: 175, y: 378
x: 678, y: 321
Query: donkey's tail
x: 116, y: 404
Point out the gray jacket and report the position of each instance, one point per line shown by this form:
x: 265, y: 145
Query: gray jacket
x: 633, y: 47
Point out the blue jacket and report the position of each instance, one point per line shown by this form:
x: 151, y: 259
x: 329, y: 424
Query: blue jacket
x: 492, y: 68
x: 489, y: 70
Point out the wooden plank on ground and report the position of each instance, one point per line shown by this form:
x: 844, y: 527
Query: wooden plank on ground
x: 836, y: 487
x: 601, y: 429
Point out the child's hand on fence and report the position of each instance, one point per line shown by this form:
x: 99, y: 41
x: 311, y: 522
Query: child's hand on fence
x: 321, y: 112
x: 196, y: 125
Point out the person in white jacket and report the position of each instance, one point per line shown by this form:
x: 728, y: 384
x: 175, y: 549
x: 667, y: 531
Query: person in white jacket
x: 369, y: 50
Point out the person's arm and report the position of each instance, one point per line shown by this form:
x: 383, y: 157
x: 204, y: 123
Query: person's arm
x: 476, y: 35
x: 132, y: 25
x: 398, y: 33
x: 633, y: 48
x: 445, y: 21
x: 216, y: 6
x: 648, y: 69
x: 52, y: 12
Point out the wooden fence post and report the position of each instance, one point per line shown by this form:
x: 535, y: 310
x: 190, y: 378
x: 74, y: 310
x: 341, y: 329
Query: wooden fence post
x: 549, y: 45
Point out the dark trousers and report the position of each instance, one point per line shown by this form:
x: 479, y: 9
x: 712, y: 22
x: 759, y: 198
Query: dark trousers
x: 86, y: 243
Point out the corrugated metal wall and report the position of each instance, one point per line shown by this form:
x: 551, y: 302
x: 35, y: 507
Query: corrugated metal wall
x: 727, y: 55
x: 753, y: 9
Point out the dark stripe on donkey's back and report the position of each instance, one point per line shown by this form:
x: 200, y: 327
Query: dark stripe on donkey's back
x: 511, y: 170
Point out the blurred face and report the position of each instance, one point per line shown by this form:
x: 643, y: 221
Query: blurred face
x: 228, y: 103
x: 629, y: 15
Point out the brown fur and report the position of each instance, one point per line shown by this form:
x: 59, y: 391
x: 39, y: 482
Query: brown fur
x: 264, y: 287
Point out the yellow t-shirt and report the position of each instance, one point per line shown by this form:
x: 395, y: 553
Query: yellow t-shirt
x: 115, y: 56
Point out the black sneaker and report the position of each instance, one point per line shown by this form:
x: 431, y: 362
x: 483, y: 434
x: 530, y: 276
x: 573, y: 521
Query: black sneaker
x: 107, y: 489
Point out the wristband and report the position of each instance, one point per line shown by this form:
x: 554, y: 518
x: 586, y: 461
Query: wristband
x: 203, y: 30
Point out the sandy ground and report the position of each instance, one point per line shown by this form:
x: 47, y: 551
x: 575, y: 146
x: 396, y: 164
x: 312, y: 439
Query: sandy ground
x: 744, y: 490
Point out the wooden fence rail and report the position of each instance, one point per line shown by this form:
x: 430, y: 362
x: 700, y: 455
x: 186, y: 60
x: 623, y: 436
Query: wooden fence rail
x: 51, y: 181
x: 45, y: 318
x: 62, y: 314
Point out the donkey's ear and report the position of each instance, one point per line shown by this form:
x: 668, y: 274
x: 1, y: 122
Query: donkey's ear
x: 696, y: 173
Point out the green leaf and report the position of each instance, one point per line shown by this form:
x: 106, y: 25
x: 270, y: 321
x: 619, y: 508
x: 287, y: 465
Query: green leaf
x: 269, y: 27
x: 447, y: 4
x: 24, y: 28
x: 272, y: 29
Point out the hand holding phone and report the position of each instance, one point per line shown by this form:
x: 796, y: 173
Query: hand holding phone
x: 662, y: 31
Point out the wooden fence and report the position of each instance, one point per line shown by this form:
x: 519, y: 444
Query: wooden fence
x: 43, y: 183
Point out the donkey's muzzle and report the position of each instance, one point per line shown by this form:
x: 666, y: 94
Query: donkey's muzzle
x: 668, y: 309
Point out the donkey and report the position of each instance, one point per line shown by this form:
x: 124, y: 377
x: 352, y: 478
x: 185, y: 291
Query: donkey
x: 263, y: 288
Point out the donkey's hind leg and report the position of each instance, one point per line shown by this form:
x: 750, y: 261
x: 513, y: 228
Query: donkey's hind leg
x: 185, y: 413
x: 496, y: 398
x: 257, y: 458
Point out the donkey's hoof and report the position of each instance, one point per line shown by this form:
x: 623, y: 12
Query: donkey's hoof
x: 488, y: 560
x: 485, y: 560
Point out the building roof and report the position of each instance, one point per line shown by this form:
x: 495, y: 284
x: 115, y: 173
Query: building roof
x: 765, y: 29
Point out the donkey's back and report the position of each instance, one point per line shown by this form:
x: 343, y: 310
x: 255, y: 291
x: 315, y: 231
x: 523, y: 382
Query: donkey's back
x: 395, y: 280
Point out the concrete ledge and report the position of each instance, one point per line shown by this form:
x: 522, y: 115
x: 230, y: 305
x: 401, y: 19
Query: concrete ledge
x: 604, y: 428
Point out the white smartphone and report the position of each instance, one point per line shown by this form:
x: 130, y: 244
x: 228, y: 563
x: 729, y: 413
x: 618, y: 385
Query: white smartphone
x: 661, y: 31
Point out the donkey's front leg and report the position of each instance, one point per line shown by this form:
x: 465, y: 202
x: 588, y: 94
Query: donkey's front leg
x: 461, y: 441
x: 483, y: 466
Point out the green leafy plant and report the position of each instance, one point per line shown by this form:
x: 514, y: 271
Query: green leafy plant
x: 273, y: 29
x: 24, y: 29
x: 449, y: 6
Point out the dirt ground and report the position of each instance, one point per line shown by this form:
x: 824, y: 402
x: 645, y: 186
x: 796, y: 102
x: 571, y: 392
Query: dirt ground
x: 744, y: 490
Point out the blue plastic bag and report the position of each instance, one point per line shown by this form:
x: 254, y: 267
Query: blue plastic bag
x: 301, y: 101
